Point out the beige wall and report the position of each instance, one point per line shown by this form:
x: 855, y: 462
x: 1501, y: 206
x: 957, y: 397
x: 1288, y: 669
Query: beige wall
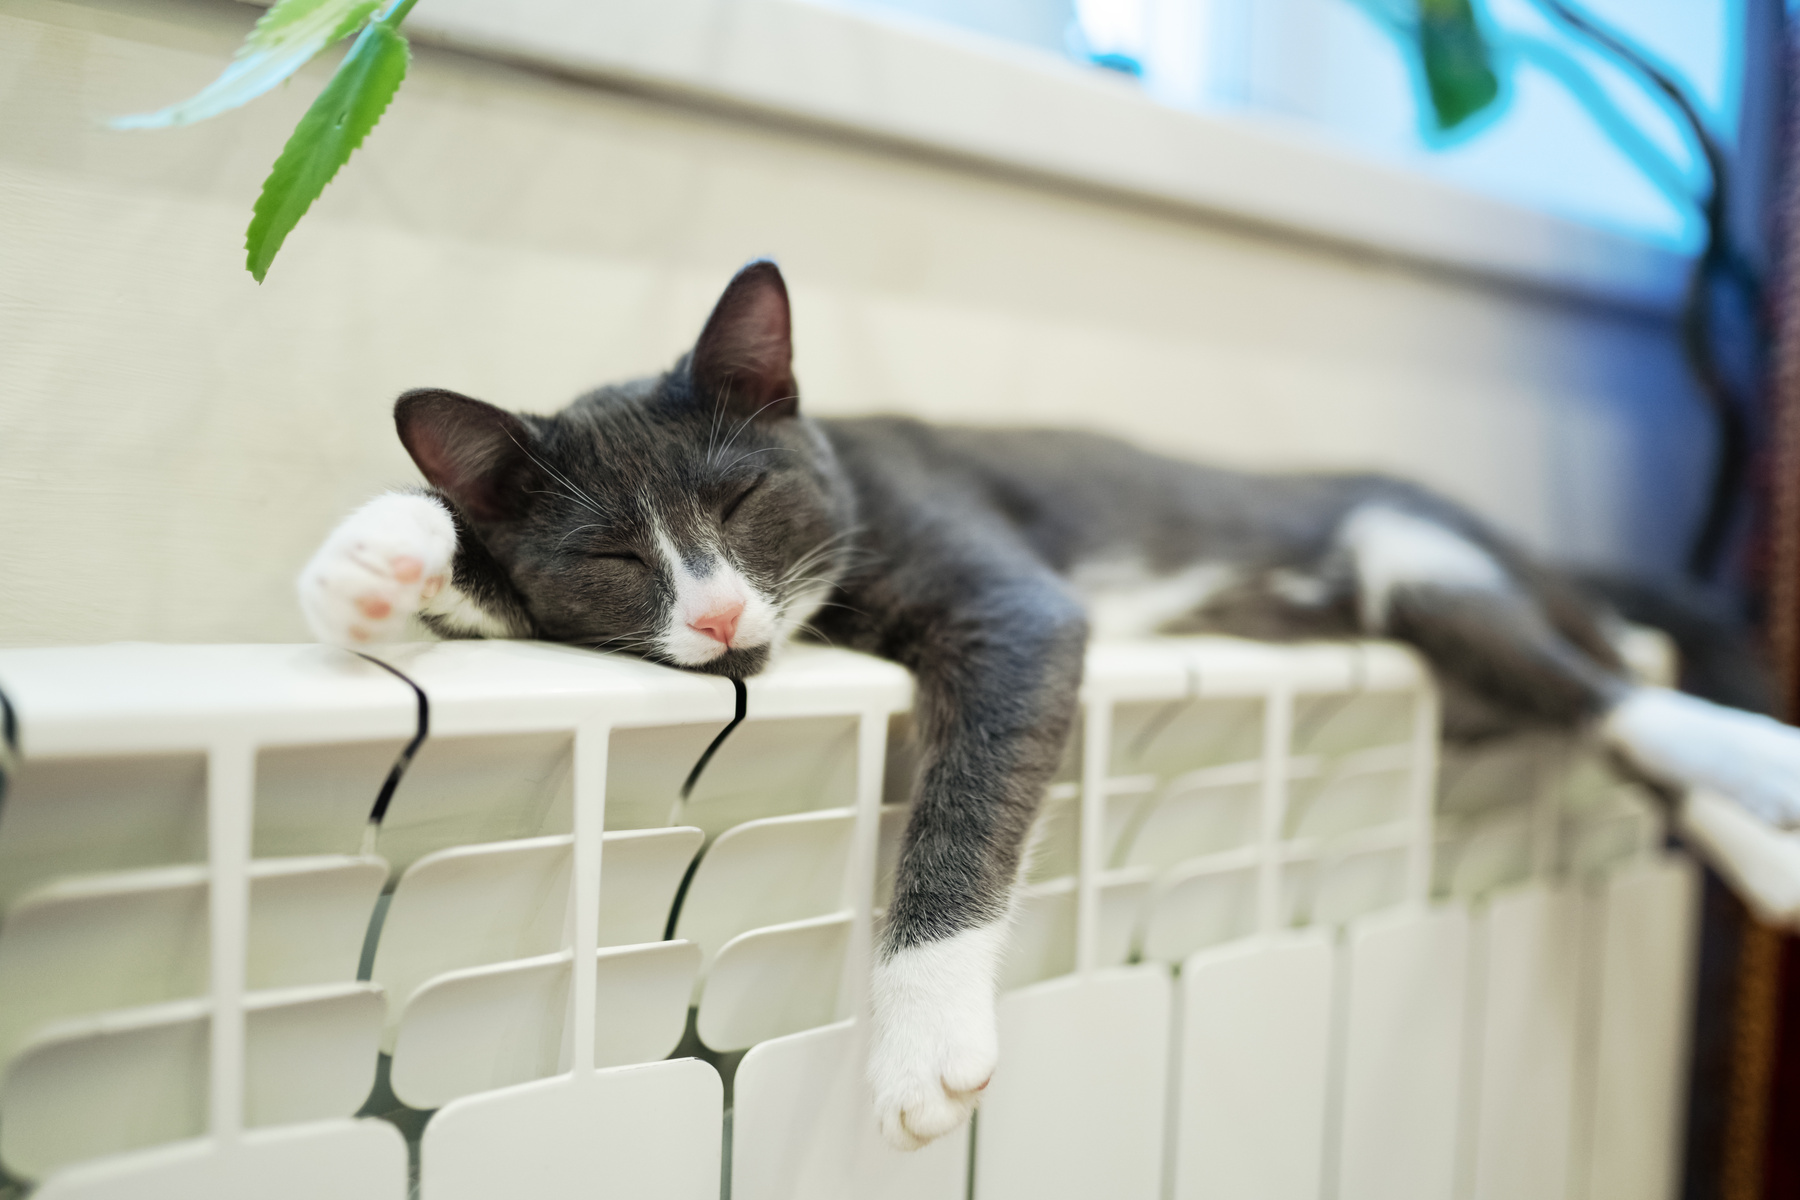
x: 174, y: 438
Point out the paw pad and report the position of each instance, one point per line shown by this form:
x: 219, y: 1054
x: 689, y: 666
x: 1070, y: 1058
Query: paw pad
x: 377, y: 569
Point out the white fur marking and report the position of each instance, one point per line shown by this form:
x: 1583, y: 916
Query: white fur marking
x: 799, y: 610
x: 454, y: 607
x: 1392, y: 548
x: 1124, y: 600
x: 1755, y: 760
x: 352, y: 591
x: 1299, y: 589
x: 935, y: 1042
x: 1649, y: 654
x: 697, y: 595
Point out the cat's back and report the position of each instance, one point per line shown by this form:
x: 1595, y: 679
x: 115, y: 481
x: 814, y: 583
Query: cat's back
x: 1075, y: 494
x: 904, y: 447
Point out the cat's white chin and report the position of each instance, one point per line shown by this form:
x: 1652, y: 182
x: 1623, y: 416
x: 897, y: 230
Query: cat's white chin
x: 935, y: 1043
x: 690, y: 652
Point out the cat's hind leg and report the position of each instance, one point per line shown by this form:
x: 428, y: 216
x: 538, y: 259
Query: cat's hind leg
x: 1487, y: 635
x: 1684, y: 740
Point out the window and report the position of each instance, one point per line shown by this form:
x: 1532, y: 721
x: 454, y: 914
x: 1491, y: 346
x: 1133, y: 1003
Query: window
x: 1572, y: 133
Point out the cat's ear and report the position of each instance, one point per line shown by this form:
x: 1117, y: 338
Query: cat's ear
x: 471, y: 451
x: 744, y: 358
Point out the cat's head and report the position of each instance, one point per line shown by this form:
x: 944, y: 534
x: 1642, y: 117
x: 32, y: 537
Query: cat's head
x: 694, y: 518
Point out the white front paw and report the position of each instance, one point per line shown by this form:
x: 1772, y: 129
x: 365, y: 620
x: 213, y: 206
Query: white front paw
x: 935, y: 1044
x: 377, y: 569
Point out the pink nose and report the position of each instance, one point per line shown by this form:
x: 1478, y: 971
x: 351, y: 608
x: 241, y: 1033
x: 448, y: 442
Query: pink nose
x: 721, y: 623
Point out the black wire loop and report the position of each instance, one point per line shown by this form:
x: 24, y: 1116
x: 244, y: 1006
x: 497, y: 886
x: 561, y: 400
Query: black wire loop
x: 9, y: 742
x: 386, y: 796
x: 693, y: 778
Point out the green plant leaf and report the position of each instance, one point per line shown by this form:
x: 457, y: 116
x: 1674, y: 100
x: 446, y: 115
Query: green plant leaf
x: 1459, y: 73
x: 284, y: 40
x: 326, y: 137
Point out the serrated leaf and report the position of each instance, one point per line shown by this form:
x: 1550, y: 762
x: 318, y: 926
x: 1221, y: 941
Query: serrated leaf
x: 1459, y: 73
x: 284, y: 40
x: 326, y: 137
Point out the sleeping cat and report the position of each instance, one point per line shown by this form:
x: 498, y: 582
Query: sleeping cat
x: 697, y: 519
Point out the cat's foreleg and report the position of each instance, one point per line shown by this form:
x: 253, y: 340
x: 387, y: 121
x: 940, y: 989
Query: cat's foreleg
x: 997, y: 695
x: 397, y: 557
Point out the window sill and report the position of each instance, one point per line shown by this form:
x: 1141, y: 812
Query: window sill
x: 1022, y: 110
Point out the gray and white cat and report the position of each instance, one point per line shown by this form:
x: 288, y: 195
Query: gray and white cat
x: 697, y: 519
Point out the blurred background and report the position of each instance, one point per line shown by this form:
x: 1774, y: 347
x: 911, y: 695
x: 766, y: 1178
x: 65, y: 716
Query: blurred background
x: 1224, y: 228
x: 1237, y: 230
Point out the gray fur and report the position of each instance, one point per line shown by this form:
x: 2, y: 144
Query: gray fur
x: 949, y: 551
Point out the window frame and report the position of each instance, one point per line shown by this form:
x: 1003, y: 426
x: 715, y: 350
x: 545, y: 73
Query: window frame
x: 894, y: 80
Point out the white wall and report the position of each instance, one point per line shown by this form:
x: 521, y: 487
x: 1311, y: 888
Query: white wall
x: 174, y: 438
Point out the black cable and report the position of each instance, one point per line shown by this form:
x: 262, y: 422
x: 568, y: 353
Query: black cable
x: 1731, y: 461
x: 738, y: 719
x: 386, y: 795
x: 687, y: 788
x: 681, y: 892
x: 9, y: 741
x: 9, y: 724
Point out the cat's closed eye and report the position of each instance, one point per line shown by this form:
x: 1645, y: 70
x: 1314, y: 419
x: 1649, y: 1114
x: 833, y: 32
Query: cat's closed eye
x: 621, y: 556
x: 732, y: 505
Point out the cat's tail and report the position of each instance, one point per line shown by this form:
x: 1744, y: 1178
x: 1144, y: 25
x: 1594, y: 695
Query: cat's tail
x: 1718, y: 655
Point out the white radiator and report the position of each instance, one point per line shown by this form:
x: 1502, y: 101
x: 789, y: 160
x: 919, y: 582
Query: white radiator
x: 1248, y: 963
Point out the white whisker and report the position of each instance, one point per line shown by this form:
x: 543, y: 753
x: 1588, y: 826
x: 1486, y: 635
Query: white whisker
x: 579, y: 497
x: 713, y: 434
x: 565, y: 537
x: 745, y: 423
x: 753, y: 453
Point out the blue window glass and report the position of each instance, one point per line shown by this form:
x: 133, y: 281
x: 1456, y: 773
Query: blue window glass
x: 1571, y: 131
